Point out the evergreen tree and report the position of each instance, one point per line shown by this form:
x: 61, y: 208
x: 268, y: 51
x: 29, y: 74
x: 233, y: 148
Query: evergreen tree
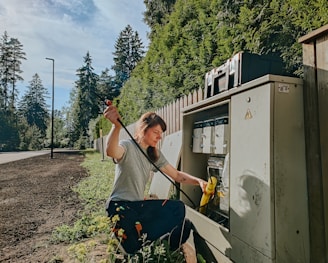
x: 60, y: 138
x: 257, y: 27
x: 17, y: 56
x: 33, y: 107
x: 86, y: 103
x: 128, y: 52
x: 178, y: 58
x: 199, y: 35
x: 157, y: 13
x: 135, y: 99
x: 67, y: 117
x: 106, y: 86
x: 5, y: 63
x: 9, y: 136
x: 11, y: 56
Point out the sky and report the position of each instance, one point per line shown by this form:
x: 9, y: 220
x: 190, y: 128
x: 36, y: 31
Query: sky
x: 65, y: 30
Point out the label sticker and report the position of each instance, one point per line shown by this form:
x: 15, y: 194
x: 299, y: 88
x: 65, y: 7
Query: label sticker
x: 284, y: 88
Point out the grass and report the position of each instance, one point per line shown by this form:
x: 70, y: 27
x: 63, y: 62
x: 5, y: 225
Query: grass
x: 90, y: 238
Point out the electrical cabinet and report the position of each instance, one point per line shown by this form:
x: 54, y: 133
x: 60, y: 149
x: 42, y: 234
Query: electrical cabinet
x: 258, y: 212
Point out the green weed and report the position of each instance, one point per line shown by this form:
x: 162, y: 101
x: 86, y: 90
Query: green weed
x: 94, y: 229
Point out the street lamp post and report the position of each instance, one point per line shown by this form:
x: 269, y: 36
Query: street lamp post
x: 52, y: 107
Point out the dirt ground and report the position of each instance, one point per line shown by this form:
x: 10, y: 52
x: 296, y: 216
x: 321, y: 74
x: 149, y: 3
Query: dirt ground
x: 35, y: 197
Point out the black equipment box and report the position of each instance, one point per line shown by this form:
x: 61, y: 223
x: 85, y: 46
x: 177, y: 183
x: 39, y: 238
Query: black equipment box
x: 241, y: 68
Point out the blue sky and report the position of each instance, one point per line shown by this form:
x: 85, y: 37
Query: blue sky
x: 66, y: 30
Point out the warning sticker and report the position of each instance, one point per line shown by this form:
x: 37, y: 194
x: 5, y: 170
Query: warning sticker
x: 248, y: 115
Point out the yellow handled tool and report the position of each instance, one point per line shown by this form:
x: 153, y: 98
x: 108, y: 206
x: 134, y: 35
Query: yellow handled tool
x: 209, y: 191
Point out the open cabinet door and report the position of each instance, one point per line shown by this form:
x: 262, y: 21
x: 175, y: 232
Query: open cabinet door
x: 171, y: 148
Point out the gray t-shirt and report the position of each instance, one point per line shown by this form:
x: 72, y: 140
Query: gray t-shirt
x: 132, y: 173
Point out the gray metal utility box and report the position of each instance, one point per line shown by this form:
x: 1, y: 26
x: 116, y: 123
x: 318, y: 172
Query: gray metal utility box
x: 261, y: 171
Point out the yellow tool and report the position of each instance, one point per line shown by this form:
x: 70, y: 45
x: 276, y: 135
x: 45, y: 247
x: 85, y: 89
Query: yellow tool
x: 209, y: 191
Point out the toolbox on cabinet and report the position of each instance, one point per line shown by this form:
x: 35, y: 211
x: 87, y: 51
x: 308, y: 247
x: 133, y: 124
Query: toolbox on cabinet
x: 240, y: 69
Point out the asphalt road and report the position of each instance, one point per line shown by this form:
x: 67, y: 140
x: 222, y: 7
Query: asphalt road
x: 6, y: 157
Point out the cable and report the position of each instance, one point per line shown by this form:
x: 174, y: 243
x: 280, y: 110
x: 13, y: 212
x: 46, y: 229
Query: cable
x: 106, y: 101
x: 157, y: 168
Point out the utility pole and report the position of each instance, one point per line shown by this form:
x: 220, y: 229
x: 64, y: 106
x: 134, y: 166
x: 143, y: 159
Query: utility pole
x: 52, y: 107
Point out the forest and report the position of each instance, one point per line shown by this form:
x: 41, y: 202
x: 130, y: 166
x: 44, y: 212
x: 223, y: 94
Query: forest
x: 187, y: 38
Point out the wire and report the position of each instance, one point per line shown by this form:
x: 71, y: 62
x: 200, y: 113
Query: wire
x: 148, y: 158
x: 157, y: 168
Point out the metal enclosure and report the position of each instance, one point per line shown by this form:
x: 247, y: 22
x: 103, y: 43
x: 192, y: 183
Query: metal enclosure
x: 267, y: 218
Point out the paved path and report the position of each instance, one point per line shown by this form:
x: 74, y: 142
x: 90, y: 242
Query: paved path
x: 6, y: 157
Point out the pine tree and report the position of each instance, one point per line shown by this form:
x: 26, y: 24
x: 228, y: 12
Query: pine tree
x: 11, y: 56
x: 17, y: 56
x: 60, y: 130
x: 157, y: 12
x: 5, y: 55
x: 199, y: 35
x: 9, y: 134
x: 106, y: 86
x: 86, y: 101
x: 33, y: 107
x: 128, y: 52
